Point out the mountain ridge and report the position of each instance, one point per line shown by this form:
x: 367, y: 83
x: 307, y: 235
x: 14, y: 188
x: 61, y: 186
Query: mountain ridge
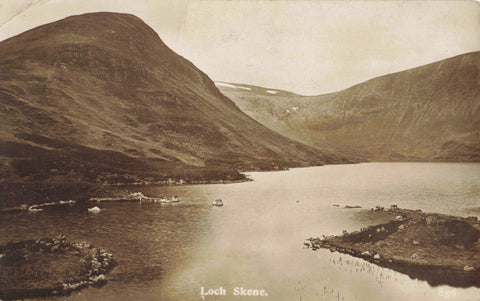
x: 426, y: 113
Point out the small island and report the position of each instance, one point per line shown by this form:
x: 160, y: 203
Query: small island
x: 440, y: 249
x: 50, y: 267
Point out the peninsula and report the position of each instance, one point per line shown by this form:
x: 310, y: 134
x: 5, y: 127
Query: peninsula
x: 440, y: 249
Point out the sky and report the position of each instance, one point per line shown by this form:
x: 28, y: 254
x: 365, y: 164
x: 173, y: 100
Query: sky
x: 307, y: 47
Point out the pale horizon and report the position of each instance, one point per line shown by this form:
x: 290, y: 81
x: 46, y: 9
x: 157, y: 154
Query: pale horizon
x: 306, y: 47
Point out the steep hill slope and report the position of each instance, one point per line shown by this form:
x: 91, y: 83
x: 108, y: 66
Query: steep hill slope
x: 427, y: 113
x: 100, y: 98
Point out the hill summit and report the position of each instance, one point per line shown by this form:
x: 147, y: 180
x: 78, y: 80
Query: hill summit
x: 99, y: 98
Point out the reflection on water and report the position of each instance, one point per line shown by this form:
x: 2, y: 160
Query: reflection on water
x: 255, y: 241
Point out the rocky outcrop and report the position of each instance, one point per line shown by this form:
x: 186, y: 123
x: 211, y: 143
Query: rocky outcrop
x: 50, y: 267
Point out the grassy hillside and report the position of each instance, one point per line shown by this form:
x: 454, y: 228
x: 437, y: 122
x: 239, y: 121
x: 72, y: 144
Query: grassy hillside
x: 99, y: 98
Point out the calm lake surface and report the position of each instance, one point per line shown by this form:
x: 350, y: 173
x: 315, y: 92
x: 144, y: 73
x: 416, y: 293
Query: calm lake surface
x: 168, y: 252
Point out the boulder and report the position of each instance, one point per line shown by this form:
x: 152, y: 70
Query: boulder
x: 93, y: 252
x: 430, y: 219
x: 94, y: 209
x: 472, y: 219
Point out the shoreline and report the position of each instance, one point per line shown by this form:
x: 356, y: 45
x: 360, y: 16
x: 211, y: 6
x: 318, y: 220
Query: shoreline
x: 120, y: 197
x: 438, y: 248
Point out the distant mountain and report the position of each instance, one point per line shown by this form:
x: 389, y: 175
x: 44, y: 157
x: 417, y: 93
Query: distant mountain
x: 429, y: 113
x: 99, y: 98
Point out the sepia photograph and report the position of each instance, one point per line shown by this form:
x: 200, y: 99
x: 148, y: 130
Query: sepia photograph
x: 170, y: 150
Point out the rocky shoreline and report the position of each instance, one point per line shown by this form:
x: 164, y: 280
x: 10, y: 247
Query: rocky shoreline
x: 440, y: 249
x: 50, y: 267
x: 108, y: 195
x: 38, y: 207
x: 116, y: 197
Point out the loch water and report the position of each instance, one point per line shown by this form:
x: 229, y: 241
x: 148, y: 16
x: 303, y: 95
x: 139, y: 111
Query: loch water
x: 255, y: 241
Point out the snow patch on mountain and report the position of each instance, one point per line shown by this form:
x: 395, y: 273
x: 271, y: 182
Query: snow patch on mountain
x: 221, y: 84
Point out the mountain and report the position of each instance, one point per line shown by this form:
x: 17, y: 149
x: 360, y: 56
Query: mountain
x: 99, y: 98
x: 429, y: 113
